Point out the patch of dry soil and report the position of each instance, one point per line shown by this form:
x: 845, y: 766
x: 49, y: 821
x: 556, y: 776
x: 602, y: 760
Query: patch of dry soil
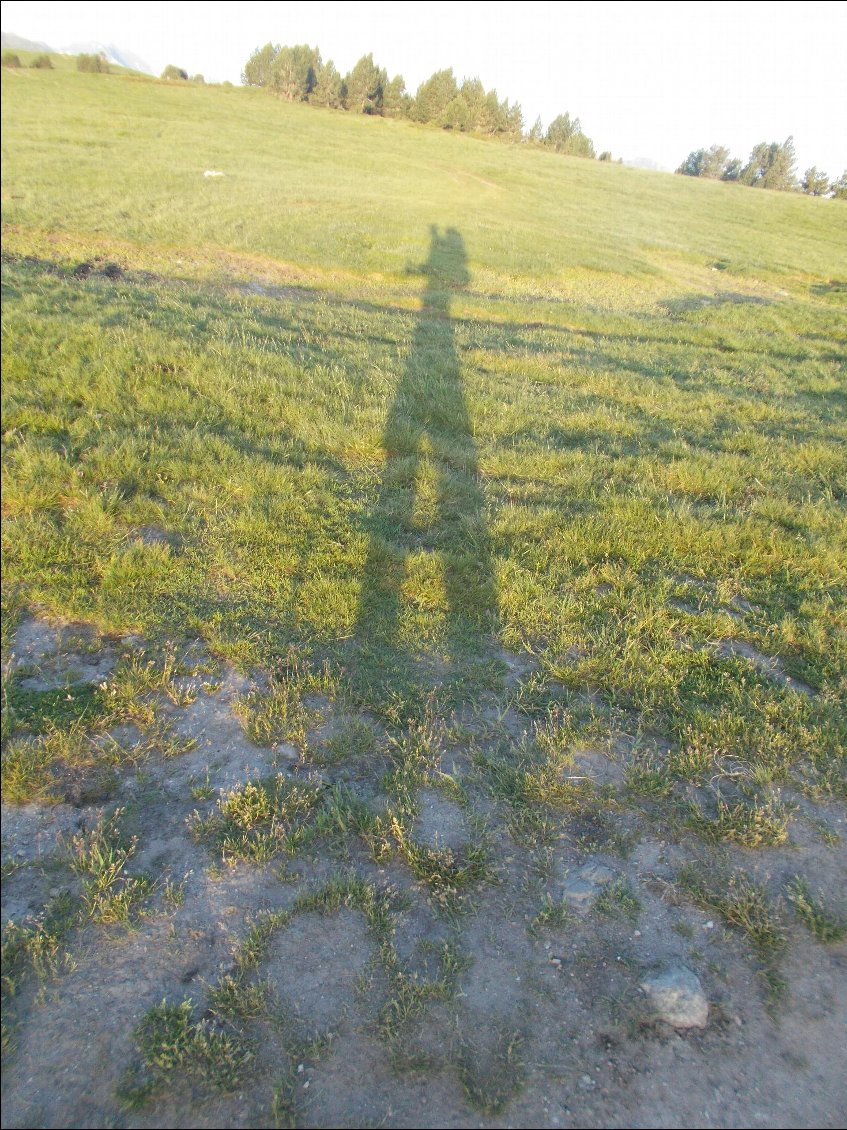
x: 548, y: 1025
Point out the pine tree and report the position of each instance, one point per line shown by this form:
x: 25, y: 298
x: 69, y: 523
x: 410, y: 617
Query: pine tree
x: 771, y: 166
x: 396, y: 103
x: 328, y: 88
x: 294, y: 72
x: 365, y: 85
x: 815, y: 183
x: 258, y: 70
x: 434, y: 96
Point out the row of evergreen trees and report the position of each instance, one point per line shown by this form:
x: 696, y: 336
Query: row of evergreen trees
x: 770, y: 166
x: 298, y: 74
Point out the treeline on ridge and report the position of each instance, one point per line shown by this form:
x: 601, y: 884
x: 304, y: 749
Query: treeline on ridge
x: 298, y: 74
x: 771, y: 165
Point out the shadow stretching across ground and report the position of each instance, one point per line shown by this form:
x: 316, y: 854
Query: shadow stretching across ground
x: 429, y: 501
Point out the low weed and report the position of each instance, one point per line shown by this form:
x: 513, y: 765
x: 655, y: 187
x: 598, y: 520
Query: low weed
x: 174, y: 1046
x: 618, y: 900
x: 491, y: 1080
x: 750, y: 823
x: 100, y: 855
x: 553, y: 915
x: 744, y: 905
x: 826, y: 926
x: 259, y: 820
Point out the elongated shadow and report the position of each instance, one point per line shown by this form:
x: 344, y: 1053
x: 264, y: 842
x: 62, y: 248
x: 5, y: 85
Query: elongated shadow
x: 428, y: 580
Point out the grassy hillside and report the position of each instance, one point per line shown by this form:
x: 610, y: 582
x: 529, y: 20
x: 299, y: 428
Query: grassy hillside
x: 471, y: 459
x: 120, y: 158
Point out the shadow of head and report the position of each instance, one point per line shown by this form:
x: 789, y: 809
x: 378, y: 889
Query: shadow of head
x: 447, y: 262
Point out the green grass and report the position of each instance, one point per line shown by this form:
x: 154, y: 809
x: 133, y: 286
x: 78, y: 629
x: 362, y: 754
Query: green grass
x: 751, y: 823
x: 139, y: 149
x: 372, y: 430
x: 100, y: 855
x: 826, y: 926
x: 259, y: 820
x: 744, y: 906
x: 173, y: 1045
x: 618, y: 900
x: 32, y: 950
x: 56, y: 742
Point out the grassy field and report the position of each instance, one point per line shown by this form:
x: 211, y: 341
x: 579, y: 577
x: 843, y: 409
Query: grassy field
x: 491, y: 456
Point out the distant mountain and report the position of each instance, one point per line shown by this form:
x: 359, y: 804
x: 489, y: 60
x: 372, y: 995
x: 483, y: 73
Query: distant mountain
x: 11, y: 42
x: 116, y: 55
x: 647, y: 163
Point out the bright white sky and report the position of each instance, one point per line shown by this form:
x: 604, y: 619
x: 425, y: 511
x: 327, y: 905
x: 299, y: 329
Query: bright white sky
x: 646, y: 79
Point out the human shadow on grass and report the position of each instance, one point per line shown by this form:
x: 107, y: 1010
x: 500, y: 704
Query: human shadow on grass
x: 428, y: 593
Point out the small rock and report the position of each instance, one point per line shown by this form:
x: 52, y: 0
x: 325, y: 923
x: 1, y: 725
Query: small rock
x: 596, y: 873
x: 584, y: 885
x: 677, y: 997
x: 580, y: 891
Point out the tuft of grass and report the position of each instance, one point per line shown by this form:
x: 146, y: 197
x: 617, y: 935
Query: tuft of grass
x: 57, y: 745
x: 254, y: 946
x: 57, y: 708
x: 649, y: 777
x: 553, y: 915
x: 343, y: 815
x: 278, y: 713
x: 173, y: 893
x: 173, y: 1045
x: 491, y: 1085
x: 233, y: 998
x: 410, y: 996
x: 33, y: 948
x: 750, y: 823
x: 26, y: 771
x: 100, y: 855
x: 745, y: 906
x: 283, y: 1106
x: 533, y: 782
x: 353, y: 891
x: 258, y: 820
x: 826, y: 926
x: 447, y: 874
x: 354, y: 742
x: 140, y: 677
x: 618, y: 900
x: 415, y: 753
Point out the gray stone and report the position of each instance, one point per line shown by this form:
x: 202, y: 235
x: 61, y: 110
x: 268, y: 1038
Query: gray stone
x: 676, y: 996
x: 584, y: 885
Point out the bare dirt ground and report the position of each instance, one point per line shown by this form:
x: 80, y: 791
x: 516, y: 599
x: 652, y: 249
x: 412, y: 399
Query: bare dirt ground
x: 576, y: 984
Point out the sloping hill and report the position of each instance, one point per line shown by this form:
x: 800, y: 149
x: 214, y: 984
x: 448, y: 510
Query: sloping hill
x: 330, y: 189
x: 424, y: 651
